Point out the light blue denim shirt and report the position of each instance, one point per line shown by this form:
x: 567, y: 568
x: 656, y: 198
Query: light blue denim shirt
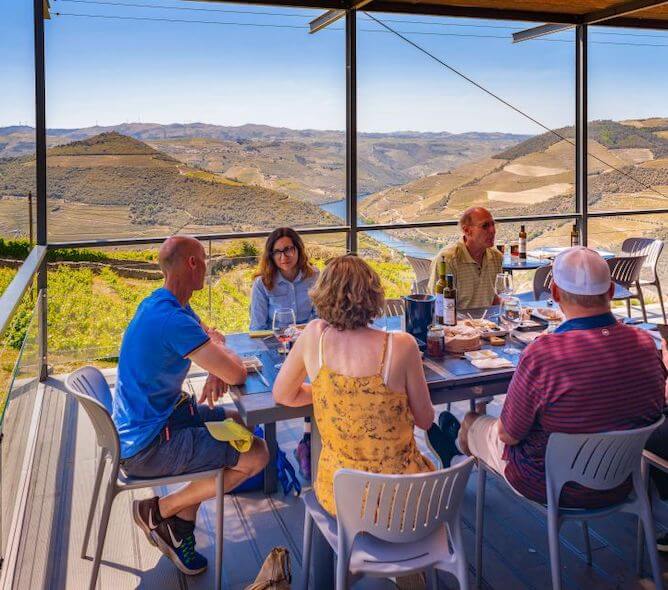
x: 293, y: 294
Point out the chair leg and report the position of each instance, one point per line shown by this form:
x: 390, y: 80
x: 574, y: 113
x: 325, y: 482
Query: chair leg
x: 342, y: 572
x: 306, y: 550
x: 457, y: 540
x: 220, y: 520
x: 640, y: 549
x: 641, y: 298
x: 553, y: 541
x: 587, y: 541
x: 479, y: 513
x: 432, y: 579
x: 628, y: 307
x: 109, y: 496
x: 663, y: 308
x: 93, y: 504
x: 650, y: 541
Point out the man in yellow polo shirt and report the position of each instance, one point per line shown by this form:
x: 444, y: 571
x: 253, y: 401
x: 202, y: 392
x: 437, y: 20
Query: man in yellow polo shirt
x: 473, y: 260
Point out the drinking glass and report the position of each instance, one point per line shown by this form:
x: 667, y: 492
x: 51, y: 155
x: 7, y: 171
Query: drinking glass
x: 511, y: 316
x: 283, y: 326
x: 503, y: 286
x: 514, y: 250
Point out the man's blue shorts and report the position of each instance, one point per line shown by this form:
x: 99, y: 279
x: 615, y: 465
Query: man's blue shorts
x: 184, y: 446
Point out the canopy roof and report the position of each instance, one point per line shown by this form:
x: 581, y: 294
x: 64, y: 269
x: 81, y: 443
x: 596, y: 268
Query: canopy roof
x: 626, y: 13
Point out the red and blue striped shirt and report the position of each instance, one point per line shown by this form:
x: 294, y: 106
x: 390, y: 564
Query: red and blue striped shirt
x: 592, y: 375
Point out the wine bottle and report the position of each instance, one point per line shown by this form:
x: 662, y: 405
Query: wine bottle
x: 523, y: 243
x: 450, y: 302
x: 575, y: 236
x: 438, y: 291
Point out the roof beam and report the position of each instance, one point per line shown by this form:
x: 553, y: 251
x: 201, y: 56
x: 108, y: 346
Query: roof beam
x: 428, y: 9
x: 618, y: 11
x: 331, y: 16
x: 539, y: 31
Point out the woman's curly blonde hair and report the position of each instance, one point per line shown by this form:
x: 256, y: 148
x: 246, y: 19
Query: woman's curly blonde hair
x: 348, y: 293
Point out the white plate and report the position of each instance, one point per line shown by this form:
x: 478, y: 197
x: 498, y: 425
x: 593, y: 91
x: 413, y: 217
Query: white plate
x: 540, y: 312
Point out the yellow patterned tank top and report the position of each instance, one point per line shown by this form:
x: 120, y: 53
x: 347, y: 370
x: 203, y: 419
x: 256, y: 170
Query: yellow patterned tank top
x: 363, y: 425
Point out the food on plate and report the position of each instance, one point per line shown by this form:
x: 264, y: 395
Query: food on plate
x: 461, y: 338
x: 496, y: 341
x: 479, y: 324
x: 480, y: 354
x: 549, y: 314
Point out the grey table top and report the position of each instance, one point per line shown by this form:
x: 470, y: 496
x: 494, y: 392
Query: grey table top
x: 452, y: 378
x: 528, y: 263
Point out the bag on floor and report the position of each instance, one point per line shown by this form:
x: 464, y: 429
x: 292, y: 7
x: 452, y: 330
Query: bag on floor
x: 286, y: 473
x: 275, y: 572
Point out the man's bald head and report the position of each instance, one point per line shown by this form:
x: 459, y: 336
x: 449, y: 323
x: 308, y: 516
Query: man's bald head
x: 175, y: 252
x: 472, y: 215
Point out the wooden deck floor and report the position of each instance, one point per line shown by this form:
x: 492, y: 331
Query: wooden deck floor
x: 61, y: 484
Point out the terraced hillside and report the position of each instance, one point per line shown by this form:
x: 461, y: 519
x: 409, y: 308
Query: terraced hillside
x: 628, y: 168
x: 149, y: 188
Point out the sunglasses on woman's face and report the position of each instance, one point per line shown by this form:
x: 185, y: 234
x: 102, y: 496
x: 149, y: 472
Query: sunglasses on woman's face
x: 287, y: 252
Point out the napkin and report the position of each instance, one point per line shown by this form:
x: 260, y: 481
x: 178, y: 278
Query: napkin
x: 233, y: 432
x: 497, y: 363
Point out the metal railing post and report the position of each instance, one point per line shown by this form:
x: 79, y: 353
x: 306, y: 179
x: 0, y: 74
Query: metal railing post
x: 581, y: 169
x: 40, y: 161
x: 351, y: 128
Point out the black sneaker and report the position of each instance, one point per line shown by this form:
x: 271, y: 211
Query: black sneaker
x: 662, y: 543
x: 147, y: 516
x: 175, y: 537
x: 442, y: 444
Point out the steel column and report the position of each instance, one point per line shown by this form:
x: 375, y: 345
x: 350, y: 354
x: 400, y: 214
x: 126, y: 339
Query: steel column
x: 351, y: 128
x: 40, y: 161
x: 581, y: 170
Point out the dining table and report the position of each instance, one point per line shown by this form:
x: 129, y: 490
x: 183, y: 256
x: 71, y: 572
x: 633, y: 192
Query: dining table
x: 451, y: 378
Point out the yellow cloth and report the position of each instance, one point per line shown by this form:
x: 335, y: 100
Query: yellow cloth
x: 232, y: 432
x: 475, y: 284
x: 363, y: 425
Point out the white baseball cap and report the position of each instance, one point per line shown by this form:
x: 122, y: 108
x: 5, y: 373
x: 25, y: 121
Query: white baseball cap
x: 581, y: 271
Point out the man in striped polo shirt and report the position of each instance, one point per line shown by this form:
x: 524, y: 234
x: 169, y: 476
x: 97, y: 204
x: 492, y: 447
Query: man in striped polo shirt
x: 593, y: 374
x: 473, y: 261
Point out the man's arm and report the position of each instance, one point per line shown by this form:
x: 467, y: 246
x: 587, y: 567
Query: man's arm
x: 220, y: 361
x: 504, y: 437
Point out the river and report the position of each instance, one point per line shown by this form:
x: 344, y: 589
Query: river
x: 407, y: 247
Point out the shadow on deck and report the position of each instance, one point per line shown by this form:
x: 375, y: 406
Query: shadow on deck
x: 61, y: 481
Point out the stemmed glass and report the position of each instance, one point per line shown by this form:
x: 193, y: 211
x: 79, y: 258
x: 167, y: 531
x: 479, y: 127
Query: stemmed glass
x: 503, y: 286
x: 511, y: 317
x: 283, y: 326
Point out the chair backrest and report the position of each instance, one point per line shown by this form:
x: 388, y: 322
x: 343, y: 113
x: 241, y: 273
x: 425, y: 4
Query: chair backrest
x: 398, y: 508
x: 600, y: 461
x: 649, y: 247
x: 394, y: 307
x: 625, y: 270
x: 420, y: 266
x: 90, y: 389
x: 420, y: 286
x: 542, y: 281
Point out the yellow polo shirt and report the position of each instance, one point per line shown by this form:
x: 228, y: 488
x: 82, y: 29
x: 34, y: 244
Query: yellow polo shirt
x: 475, y: 284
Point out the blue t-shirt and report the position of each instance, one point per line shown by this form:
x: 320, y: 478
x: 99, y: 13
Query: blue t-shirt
x: 152, y: 367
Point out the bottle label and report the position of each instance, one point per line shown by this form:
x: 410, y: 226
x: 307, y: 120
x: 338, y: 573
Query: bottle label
x: 449, y: 312
x: 575, y: 240
x: 438, y: 308
x: 523, y: 247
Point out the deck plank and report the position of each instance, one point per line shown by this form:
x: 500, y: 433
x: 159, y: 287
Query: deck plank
x: 516, y: 553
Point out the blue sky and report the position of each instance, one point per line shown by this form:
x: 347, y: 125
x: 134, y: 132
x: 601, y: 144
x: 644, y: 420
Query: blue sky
x: 114, y: 70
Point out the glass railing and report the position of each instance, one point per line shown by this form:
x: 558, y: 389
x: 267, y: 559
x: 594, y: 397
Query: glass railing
x: 19, y: 378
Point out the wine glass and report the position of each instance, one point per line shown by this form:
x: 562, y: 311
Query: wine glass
x: 503, y: 286
x: 283, y: 326
x: 511, y: 317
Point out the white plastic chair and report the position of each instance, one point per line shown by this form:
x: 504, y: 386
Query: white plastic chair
x: 649, y: 460
x: 91, y: 390
x: 421, y: 268
x: 600, y: 461
x: 392, y: 525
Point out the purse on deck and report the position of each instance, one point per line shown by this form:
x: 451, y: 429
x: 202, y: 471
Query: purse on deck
x: 275, y: 572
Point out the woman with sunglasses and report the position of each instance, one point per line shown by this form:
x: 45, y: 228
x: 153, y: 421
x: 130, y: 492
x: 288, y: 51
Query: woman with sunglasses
x: 283, y: 280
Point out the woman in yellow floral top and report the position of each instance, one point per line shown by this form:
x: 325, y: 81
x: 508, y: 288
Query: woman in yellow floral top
x: 368, y: 388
